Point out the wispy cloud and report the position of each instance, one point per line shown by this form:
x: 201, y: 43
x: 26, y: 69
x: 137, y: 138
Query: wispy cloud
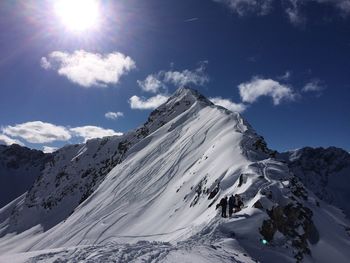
x: 228, y: 104
x: 38, y: 132
x: 6, y: 140
x: 191, y: 19
x: 114, y: 115
x: 250, y: 91
x: 286, y: 76
x: 90, y: 132
x: 196, y: 77
x: 151, y: 84
x: 146, y: 104
x: 158, y: 82
x: 314, y: 85
x: 244, y: 7
x: 89, y: 69
x: 292, y: 8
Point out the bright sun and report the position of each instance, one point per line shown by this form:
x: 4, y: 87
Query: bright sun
x: 78, y: 15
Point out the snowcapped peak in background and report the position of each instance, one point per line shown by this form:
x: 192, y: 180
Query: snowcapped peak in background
x: 324, y: 171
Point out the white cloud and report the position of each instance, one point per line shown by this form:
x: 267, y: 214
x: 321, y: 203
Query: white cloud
x: 150, y: 84
x: 145, y: 104
x: 5, y: 140
x: 114, y: 115
x: 38, y: 132
x: 90, y: 132
x: 186, y: 77
x: 257, y: 87
x: 48, y: 149
x: 313, y: 86
x: 228, y: 104
x: 89, y: 69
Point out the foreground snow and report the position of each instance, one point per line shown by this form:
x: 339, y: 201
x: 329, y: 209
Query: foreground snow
x: 142, y: 251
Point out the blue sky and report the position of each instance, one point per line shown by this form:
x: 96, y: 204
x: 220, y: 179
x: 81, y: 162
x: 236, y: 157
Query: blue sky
x: 284, y: 64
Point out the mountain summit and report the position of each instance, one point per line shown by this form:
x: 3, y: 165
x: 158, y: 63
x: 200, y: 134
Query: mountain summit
x: 151, y: 196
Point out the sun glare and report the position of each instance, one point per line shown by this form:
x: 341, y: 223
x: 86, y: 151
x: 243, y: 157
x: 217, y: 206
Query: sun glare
x: 78, y: 15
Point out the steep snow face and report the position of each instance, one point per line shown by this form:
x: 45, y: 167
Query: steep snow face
x: 163, y: 185
x: 19, y: 167
x: 326, y: 172
x: 75, y: 171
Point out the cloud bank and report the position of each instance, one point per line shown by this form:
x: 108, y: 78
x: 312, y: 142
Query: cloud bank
x: 38, y: 132
x: 91, y: 132
x: 89, y: 69
x: 5, y: 140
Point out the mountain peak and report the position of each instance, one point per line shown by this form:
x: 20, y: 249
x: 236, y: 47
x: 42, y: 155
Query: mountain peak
x: 189, y: 96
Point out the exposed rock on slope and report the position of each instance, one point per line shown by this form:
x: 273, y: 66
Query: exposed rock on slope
x: 19, y: 167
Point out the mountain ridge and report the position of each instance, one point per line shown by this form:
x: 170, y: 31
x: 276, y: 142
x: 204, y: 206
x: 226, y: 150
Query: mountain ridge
x: 159, y: 183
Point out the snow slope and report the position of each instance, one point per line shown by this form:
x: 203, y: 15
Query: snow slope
x: 158, y: 203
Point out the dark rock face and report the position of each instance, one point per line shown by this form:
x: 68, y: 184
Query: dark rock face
x: 261, y: 145
x: 258, y: 205
x: 19, y: 167
x: 294, y: 221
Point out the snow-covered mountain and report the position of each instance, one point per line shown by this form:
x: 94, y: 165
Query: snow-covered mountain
x: 326, y: 172
x: 19, y: 167
x: 151, y: 194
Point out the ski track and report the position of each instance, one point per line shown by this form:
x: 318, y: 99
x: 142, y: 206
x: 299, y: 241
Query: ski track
x: 107, y: 228
x: 140, y: 252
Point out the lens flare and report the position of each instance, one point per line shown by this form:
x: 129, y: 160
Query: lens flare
x: 78, y: 15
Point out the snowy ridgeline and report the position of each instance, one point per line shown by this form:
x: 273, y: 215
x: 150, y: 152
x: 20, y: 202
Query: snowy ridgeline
x: 151, y: 195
